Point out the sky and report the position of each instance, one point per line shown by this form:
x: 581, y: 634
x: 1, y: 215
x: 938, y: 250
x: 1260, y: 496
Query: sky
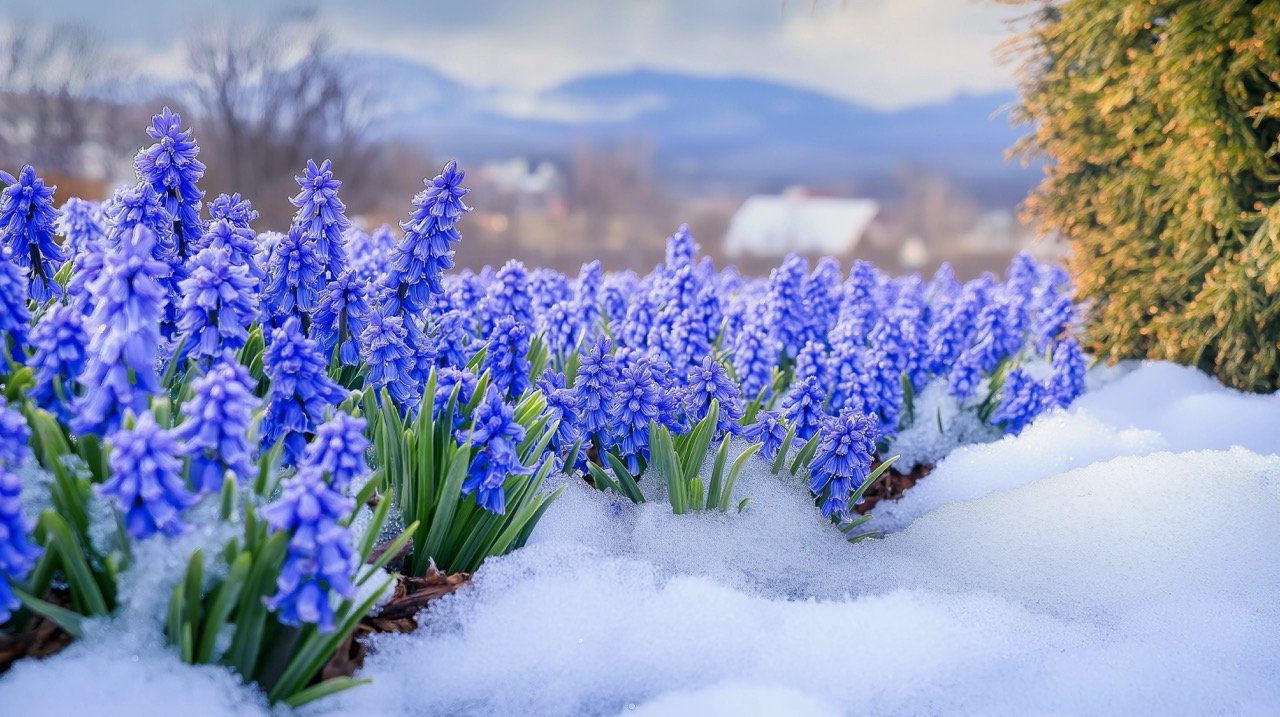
x: 881, y: 53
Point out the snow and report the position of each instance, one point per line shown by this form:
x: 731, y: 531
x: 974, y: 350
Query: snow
x: 1119, y: 557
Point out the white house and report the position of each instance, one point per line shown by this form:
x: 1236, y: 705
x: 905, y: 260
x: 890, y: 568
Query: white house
x: 793, y: 222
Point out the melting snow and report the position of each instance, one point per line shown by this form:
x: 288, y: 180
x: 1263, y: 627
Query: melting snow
x: 1116, y: 558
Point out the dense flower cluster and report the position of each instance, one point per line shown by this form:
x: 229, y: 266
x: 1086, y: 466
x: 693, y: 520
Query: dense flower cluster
x: 171, y: 168
x: 846, y: 445
x: 27, y: 220
x: 494, y: 437
x: 214, y: 432
x: 17, y: 553
x: 146, y: 481
x: 301, y: 389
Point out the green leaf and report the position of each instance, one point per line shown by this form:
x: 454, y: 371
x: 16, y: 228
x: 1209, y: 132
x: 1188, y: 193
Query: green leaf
x: 805, y: 455
x: 781, y: 457
x: 224, y: 600
x: 70, y: 621
x: 86, y: 594
x: 626, y: 481
x: 329, y: 687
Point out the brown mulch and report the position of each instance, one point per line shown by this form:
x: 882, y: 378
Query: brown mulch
x: 399, y: 614
x: 41, y: 637
x: 891, y: 485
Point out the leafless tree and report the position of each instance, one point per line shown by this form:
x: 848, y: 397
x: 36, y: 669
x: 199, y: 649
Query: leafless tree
x: 269, y: 99
x: 50, y: 115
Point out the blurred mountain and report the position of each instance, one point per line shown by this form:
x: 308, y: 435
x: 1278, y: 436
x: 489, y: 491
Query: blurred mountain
x: 738, y: 132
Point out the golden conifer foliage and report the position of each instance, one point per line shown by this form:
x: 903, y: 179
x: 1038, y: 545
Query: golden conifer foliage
x: 1160, y: 121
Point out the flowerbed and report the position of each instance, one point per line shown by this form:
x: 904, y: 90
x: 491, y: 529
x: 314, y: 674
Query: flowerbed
x: 304, y: 416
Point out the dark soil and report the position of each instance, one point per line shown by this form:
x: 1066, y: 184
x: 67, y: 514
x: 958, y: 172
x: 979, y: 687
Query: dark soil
x: 40, y: 637
x: 891, y: 485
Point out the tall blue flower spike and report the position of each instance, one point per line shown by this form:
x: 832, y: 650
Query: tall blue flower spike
x: 17, y: 553
x: 301, y: 390
x: 322, y: 216
x: 171, y: 168
x: 145, y: 479
x: 846, y: 446
x: 59, y: 342
x: 121, y: 370
x: 426, y: 250
x: 215, y: 427
x: 494, y: 437
x: 27, y: 220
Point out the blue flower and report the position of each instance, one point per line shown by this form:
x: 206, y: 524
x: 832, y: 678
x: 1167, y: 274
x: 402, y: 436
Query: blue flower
x: 240, y: 243
x: 322, y: 216
x: 754, y: 356
x: 509, y: 296
x: 784, y: 305
x: 125, y: 327
x: 681, y: 248
x: 505, y: 360
x: 171, y: 168
x: 59, y: 341
x: 426, y: 250
x: 494, y: 437
x: 14, y: 314
x: 1066, y: 382
x: 562, y: 406
x: 820, y: 295
x: 586, y: 297
x: 596, y: 389
x: 369, y: 253
x: 803, y: 406
x: 218, y: 305
x: 641, y: 397
x: 1053, y: 320
x: 859, y: 304
x: 1022, y: 398
x: 390, y: 360
x: 234, y: 209
x: 319, y: 560
x: 846, y: 446
x: 81, y: 225
x: 17, y: 553
x: 342, y: 313
x: 215, y: 427
x: 146, y: 479
x: 770, y: 431
x: 338, y: 451
x: 14, y: 435
x: 140, y: 205
x: 560, y: 327
x: 710, y: 381
x: 447, y: 380
x: 452, y: 339
x: 301, y: 390
x: 295, y: 278
x: 812, y: 361
x: 26, y: 228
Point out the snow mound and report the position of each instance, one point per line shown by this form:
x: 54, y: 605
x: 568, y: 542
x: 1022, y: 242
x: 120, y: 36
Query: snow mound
x: 1111, y: 559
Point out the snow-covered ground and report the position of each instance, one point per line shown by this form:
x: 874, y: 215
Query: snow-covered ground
x: 1118, y: 558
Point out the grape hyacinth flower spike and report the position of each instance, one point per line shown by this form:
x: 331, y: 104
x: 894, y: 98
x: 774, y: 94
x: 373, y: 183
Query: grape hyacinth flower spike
x: 27, y: 218
x: 146, y: 481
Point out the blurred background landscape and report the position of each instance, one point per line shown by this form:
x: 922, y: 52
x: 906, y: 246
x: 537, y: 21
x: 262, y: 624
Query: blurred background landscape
x: 873, y: 129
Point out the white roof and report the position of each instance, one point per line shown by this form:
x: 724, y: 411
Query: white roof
x: 775, y: 225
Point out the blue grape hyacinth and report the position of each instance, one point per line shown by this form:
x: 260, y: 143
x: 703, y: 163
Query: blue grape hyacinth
x: 710, y: 381
x: 81, y: 225
x: 145, y: 479
x: 338, y: 451
x: 121, y: 372
x: 27, y: 218
x: 218, y: 305
x: 215, y: 428
x: 562, y: 406
x: 320, y: 558
x: 1022, y: 398
x: 301, y: 390
x: 342, y: 313
x: 390, y: 360
x: 803, y: 406
x: 494, y: 437
x: 59, y: 342
x: 295, y: 278
x: 770, y: 431
x: 642, y: 397
x: 14, y: 314
x: 505, y: 360
x: 171, y: 168
x: 17, y: 553
x: 846, y: 446
x: 426, y: 249
x: 322, y: 216
x: 595, y: 387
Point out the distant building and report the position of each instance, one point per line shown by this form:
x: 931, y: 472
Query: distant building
x: 768, y: 226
